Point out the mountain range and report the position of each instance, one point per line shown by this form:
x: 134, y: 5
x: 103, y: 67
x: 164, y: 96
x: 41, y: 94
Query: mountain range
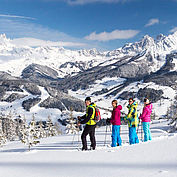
x: 56, y: 78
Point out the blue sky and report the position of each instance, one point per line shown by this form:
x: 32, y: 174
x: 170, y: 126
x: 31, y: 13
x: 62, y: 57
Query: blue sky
x: 101, y: 24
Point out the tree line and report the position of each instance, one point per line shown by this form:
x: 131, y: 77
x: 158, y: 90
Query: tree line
x: 29, y: 133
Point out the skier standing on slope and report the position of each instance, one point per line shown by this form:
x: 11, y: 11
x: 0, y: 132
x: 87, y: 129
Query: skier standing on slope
x: 88, y: 119
x: 146, y: 119
x: 132, y: 121
x: 116, y: 122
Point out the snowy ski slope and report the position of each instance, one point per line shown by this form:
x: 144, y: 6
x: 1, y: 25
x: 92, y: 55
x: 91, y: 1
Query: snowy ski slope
x: 59, y: 157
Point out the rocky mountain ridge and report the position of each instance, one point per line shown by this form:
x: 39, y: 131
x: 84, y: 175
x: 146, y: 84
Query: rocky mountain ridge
x: 61, y: 72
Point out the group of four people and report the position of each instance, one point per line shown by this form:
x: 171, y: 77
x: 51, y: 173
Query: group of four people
x: 131, y: 117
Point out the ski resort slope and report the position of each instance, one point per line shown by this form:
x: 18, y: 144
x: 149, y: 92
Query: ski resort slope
x: 59, y: 157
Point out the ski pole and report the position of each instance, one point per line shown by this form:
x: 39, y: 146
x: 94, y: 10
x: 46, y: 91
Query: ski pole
x: 110, y: 128
x: 73, y: 138
x: 105, y: 135
x: 78, y: 138
x: 78, y: 133
x: 78, y: 128
x: 75, y: 129
x: 137, y: 128
x: 141, y: 132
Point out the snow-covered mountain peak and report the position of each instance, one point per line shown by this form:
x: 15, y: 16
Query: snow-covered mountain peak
x: 134, y: 48
x: 166, y: 44
x: 159, y: 46
x: 145, y: 43
x: 3, y: 37
x: 4, y: 41
x: 147, y: 39
x: 67, y: 62
x: 160, y: 37
x: 174, y: 34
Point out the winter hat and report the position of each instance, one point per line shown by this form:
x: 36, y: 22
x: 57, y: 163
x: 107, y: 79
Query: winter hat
x: 88, y: 99
x: 146, y: 100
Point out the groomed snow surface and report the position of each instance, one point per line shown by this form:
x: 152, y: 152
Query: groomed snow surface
x: 59, y: 157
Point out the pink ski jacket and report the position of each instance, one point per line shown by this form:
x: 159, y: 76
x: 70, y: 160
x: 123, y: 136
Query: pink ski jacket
x: 115, y: 118
x: 146, y: 114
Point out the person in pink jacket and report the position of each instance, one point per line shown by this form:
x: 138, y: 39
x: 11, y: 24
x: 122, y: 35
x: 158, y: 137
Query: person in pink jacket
x: 116, y: 122
x: 146, y: 119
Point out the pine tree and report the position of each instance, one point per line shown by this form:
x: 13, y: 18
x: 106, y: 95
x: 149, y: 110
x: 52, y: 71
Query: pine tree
x: 29, y: 136
x: 58, y: 129
x: 12, y: 128
x: 2, y: 136
x: 172, y: 113
x: 42, y: 132
x: 71, y: 127
x: 23, y: 135
x: 19, y: 122
x: 32, y: 133
x: 173, y: 116
x: 50, y: 129
x: 9, y: 127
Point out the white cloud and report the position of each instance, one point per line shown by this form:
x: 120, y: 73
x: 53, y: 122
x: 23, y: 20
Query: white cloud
x: 152, y: 21
x: 32, y: 42
x: 22, y: 29
x: 81, y: 2
x: 16, y: 16
x: 116, y: 34
x: 173, y: 30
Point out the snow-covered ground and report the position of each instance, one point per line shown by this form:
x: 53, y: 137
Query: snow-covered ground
x: 159, y: 108
x: 40, y: 113
x: 59, y: 157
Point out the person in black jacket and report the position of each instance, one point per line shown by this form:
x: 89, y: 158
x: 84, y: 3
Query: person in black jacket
x: 88, y: 119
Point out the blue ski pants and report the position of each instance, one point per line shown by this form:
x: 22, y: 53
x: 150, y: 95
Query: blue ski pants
x: 133, y: 137
x: 116, y: 139
x: 147, y: 132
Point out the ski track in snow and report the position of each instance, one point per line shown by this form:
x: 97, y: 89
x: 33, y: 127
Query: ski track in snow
x: 59, y: 157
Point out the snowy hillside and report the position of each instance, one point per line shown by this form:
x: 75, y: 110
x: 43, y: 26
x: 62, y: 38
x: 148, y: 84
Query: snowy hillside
x: 58, y: 157
x: 17, y: 109
x: 147, y: 68
x: 26, y: 99
x: 159, y: 107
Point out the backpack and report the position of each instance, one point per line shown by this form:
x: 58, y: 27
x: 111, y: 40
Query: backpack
x: 97, y: 117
